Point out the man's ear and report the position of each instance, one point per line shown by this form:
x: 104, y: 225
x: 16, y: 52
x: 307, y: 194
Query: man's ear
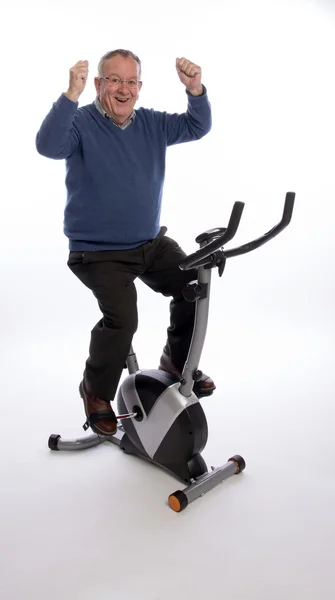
x: 97, y: 83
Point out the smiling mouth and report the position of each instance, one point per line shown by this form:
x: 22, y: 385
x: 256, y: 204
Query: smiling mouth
x: 122, y: 100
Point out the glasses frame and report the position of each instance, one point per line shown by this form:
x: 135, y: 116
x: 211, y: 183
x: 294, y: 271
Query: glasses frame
x: 108, y: 78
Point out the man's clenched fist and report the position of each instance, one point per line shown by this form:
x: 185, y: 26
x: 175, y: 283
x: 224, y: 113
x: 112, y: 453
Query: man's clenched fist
x: 190, y: 75
x: 78, y: 79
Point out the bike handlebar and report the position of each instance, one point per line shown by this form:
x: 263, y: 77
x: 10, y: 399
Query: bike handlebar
x: 197, y: 258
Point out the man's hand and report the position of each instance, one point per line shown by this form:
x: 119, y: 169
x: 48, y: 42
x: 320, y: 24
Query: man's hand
x: 190, y: 76
x: 78, y: 79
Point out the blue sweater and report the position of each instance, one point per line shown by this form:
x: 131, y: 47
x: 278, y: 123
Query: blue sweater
x: 115, y: 176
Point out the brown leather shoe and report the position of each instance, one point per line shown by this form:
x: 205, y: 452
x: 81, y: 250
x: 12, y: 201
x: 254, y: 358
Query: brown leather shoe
x: 204, y: 387
x: 98, y: 410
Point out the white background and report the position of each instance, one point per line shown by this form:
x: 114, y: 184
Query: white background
x: 96, y: 524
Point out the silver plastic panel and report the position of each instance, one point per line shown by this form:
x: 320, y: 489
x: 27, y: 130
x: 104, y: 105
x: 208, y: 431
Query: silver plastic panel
x: 169, y: 405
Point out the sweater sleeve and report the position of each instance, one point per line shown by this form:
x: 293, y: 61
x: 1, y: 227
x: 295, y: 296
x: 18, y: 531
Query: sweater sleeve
x: 194, y: 124
x: 58, y: 137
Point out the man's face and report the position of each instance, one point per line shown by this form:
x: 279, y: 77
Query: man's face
x: 117, y: 97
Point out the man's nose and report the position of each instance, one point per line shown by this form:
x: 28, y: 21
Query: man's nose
x: 123, y: 85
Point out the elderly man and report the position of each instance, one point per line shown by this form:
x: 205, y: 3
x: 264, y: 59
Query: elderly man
x: 115, y: 168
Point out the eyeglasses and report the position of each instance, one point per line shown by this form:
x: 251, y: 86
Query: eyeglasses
x: 116, y: 81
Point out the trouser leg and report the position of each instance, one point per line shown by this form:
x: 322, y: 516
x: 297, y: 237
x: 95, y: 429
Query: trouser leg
x: 112, y: 283
x: 165, y: 276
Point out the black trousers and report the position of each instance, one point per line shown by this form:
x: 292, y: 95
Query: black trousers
x: 110, y: 275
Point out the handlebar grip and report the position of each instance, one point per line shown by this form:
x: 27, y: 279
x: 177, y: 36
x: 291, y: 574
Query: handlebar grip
x: 288, y: 209
x: 285, y: 220
x: 190, y: 261
x: 198, y: 258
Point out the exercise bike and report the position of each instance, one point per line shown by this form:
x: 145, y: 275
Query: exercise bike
x: 161, y: 418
